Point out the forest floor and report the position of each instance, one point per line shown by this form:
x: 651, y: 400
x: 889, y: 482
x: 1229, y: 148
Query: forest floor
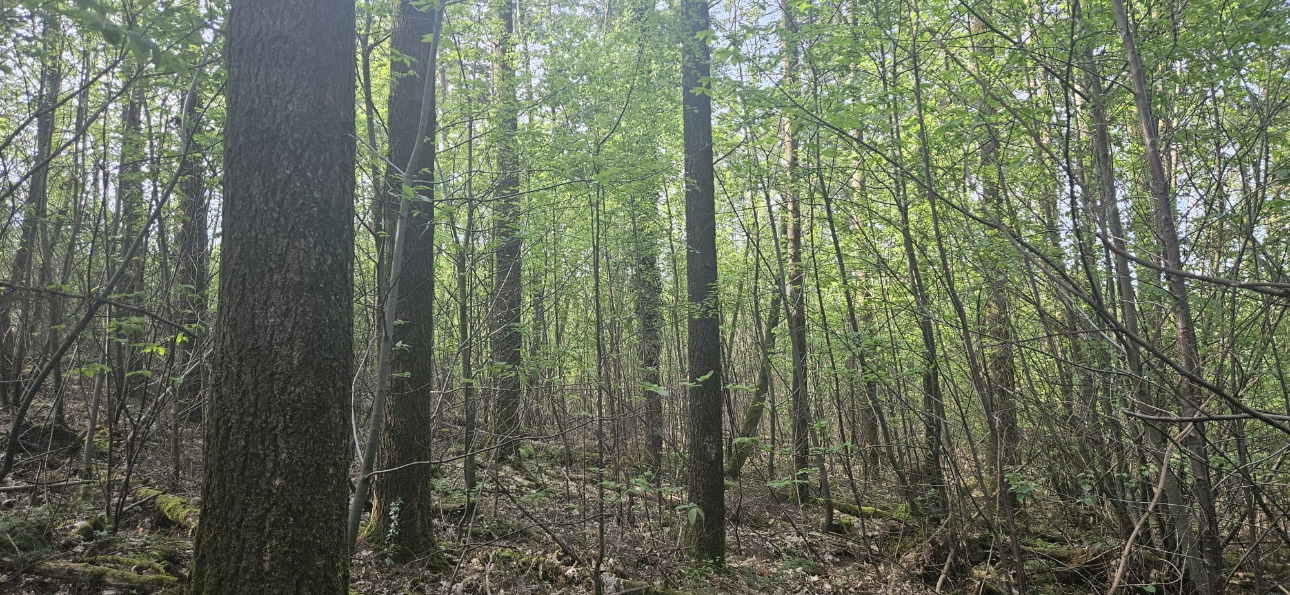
x: 535, y: 529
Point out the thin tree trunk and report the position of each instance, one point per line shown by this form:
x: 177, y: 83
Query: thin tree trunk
x: 1207, y: 573
x: 801, y: 412
x: 13, y: 341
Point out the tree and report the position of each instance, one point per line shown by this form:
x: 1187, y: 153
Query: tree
x: 13, y: 340
x: 508, y: 288
x: 1207, y: 572
x: 707, y: 532
x: 403, y: 503
x: 274, y: 487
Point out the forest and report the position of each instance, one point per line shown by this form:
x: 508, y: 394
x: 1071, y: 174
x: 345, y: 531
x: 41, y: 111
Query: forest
x: 644, y: 297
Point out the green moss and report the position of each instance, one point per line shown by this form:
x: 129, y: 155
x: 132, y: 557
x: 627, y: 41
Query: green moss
x: 901, y: 513
x: 101, y: 440
x: 136, y: 565
x: 23, y: 535
x: 176, y: 509
x: 88, y: 530
x: 93, y: 576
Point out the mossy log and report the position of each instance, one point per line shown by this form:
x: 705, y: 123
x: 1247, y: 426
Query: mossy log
x: 626, y: 587
x: 174, y: 508
x: 868, y: 512
x: 89, y: 575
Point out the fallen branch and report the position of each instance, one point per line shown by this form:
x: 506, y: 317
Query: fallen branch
x: 46, y: 486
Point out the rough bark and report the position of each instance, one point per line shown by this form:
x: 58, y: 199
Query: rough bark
x: 707, y: 536
x: 132, y: 210
x: 403, y: 504
x: 649, y: 293
x: 508, y: 290
x: 277, y: 448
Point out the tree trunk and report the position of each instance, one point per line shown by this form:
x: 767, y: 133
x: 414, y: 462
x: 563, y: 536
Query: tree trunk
x: 1207, y: 573
x: 1000, y: 374
x: 274, y: 489
x: 752, y: 417
x: 403, y: 502
x: 649, y: 293
x: 13, y: 341
x: 707, y: 535
x: 800, y: 406
x: 192, y: 274
x: 132, y: 209
x: 508, y: 290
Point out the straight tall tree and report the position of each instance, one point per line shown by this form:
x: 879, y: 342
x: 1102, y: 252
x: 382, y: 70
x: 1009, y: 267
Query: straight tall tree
x: 508, y: 289
x: 801, y: 409
x: 275, y: 482
x: 403, y: 503
x: 707, y: 534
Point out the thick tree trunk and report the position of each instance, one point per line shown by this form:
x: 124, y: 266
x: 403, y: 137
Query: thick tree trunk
x: 403, y: 503
x: 707, y: 536
x: 277, y: 447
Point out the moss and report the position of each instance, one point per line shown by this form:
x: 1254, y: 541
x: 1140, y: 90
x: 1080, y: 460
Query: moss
x: 23, y: 536
x: 546, y: 568
x: 89, y: 575
x: 88, y: 530
x: 136, y: 565
x: 869, y: 512
x: 638, y: 587
x: 101, y: 440
x: 174, y: 508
